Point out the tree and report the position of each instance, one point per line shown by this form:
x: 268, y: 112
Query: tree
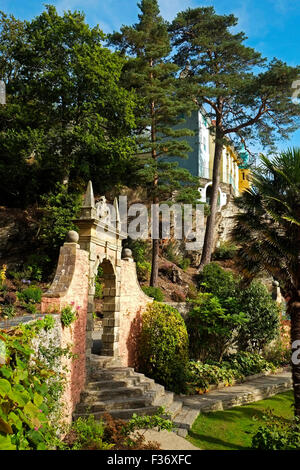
x: 67, y: 118
x: 247, y: 98
x: 161, y: 103
x: 263, y: 318
x: 268, y: 230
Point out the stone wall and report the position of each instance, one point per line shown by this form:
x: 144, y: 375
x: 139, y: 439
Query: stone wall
x: 133, y: 302
x: 70, y: 287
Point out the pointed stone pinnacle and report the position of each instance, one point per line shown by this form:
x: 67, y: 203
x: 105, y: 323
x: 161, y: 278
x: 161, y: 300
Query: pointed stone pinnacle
x: 89, y: 200
x: 116, y: 206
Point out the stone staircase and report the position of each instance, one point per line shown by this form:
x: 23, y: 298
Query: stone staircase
x: 121, y: 392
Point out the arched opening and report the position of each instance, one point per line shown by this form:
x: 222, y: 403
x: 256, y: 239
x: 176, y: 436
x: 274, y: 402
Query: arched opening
x: 104, y: 299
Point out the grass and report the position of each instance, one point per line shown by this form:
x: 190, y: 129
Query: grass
x: 233, y: 429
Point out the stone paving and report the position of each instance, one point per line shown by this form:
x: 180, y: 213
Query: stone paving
x: 237, y: 395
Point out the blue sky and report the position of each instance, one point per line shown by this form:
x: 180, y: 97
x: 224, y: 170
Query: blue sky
x: 272, y: 26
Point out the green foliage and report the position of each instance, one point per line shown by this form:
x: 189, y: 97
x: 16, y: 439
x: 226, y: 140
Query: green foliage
x: 278, y: 353
x: 7, y: 311
x: 202, y: 375
x: 155, y: 292
x: 48, y: 322
x: 245, y: 96
x: 226, y: 250
x: 143, y: 270
x: 263, y: 318
x: 163, y: 346
x: 54, y: 128
x: 25, y: 398
x: 36, y: 267
x: 234, y: 367
x: 222, y: 284
x: 277, y: 433
x: 60, y: 209
x: 142, y: 256
x: 156, y: 421
x: 91, y: 434
x: 260, y: 312
x: 249, y: 363
x: 68, y: 316
x: 172, y: 254
x: 87, y: 434
x: 99, y: 284
x: 211, y: 327
x: 30, y: 295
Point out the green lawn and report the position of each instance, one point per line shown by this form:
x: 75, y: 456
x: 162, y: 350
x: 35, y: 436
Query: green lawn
x: 233, y: 429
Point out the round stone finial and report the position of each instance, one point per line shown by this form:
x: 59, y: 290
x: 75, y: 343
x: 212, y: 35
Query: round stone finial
x: 127, y: 253
x: 72, y: 237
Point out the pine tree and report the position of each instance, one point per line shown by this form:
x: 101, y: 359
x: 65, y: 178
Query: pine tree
x: 248, y: 98
x: 162, y: 99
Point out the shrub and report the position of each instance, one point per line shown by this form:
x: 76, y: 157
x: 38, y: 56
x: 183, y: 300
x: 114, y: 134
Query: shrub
x: 172, y: 254
x: 36, y: 266
x: 86, y: 434
x: 201, y: 376
x: 279, y: 353
x: 222, y: 284
x: 26, y: 401
x: 31, y: 295
x: 60, y: 209
x: 226, y: 250
x: 184, y: 264
x: 143, y: 270
x: 110, y: 433
x: 8, y: 311
x: 263, y: 318
x: 277, y: 433
x: 68, y: 316
x: 155, y: 292
x: 142, y: 256
x: 163, y: 346
x: 211, y: 327
x: 233, y: 367
x: 261, y: 313
x: 249, y: 363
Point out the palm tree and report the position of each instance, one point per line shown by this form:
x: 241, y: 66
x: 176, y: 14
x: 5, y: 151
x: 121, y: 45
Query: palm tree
x: 268, y: 231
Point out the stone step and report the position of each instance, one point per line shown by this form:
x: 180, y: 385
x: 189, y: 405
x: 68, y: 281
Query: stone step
x: 173, y: 409
x: 110, y: 375
x: 104, y: 361
x: 92, y: 396
x: 125, y: 414
x: 106, y: 385
x: 164, y: 400
x: 185, y: 418
x: 108, y: 405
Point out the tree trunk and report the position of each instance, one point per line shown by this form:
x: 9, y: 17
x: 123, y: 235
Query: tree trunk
x: 211, y: 219
x: 154, y: 270
x: 294, y: 309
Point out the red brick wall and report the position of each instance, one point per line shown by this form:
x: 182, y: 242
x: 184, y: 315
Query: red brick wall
x: 133, y: 303
x: 73, y: 268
